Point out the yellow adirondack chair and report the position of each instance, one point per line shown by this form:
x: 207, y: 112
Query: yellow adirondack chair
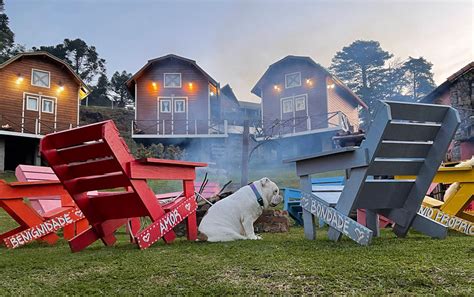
x: 452, y: 212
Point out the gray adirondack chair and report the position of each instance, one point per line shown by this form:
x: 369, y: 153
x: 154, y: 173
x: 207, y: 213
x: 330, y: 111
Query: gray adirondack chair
x: 403, y: 139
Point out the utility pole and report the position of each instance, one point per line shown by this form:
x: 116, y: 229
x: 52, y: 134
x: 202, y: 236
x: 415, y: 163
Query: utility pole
x: 244, y: 180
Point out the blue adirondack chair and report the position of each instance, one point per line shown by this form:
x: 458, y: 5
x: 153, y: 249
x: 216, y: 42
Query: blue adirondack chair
x: 322, y: 185
x: 403, y: 139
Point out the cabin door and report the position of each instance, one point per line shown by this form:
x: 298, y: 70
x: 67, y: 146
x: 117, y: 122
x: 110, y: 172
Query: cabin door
x: 287, y: 115
x: 301, y: 113
x: 47, y: 123
x: 31, y: 114
x: 172, y: 115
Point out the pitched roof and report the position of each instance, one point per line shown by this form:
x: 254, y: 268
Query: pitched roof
x: 339, y: 83
x: 84, y: 88
x: 229, y: 93
x: 131, y: 81
x: 447, y: 84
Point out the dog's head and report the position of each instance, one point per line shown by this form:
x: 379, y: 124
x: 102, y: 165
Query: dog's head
x: 270, y: 192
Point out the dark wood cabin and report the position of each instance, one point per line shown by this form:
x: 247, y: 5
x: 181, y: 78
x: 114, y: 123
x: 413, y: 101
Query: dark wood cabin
x: 457, y: 91
x: 39, y: 94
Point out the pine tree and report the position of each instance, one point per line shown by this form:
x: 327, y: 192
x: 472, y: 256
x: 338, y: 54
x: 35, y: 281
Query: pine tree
x: 7, y: 37
x: 419, y: 77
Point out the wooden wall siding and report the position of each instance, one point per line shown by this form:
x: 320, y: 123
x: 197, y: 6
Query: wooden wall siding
x: 147, y: 95
x: 316, y: 99
x: 337, y: 103
x: 12, y: 94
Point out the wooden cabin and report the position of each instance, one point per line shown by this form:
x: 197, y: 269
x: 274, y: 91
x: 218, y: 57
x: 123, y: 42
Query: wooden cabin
x: 304, y: 97
x: 175, y: 98
x: 39, y: 94
x: 300, y: 98
x: 457, y: 91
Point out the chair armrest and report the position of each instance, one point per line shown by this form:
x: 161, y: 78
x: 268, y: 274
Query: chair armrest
x: 155, y: 161
x: 339, y: 159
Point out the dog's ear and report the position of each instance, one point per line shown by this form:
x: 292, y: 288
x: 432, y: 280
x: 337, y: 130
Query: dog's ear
x: 264, y: 181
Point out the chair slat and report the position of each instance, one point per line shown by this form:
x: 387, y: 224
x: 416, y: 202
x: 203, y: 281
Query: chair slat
x: 84, y: 184
x: 403, y: 149
x: 394, y: 167
x: 93, y: 167
x: 417, y: 112
x: 409, y: 131
x: 377, y: 194
x: 84, y: 152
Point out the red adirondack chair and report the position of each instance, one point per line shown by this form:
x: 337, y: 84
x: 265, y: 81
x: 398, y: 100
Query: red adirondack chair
x: 50, y: 206
x: 94, y: 157
x: 32, y: 225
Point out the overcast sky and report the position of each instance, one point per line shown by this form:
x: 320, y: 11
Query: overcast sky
x: 236, y: 41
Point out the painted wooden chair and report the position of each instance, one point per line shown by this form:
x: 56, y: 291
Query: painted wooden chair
x: 403, y: 139
x: 454, y: 211
x: 95, y: 158
x: 50, y: 206
x: 292, y: 197
x: 32, y: 226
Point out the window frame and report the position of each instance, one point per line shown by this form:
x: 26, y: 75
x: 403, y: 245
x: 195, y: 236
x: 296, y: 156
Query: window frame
x: 35, y: 98
x: 286, y: 80
x: 300, y: 98
x: 33, y: 70
x: 161, y: 105
x: 172, y: 87
x: 292, y: 105
x: 52, y: 105
x: 184, y: 105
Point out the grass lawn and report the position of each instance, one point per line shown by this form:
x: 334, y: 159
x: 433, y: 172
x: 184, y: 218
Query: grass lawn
x: 278, y: 264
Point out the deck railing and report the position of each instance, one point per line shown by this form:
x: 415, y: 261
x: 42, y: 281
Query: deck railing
x: 179, y: 128
x: 35, y: 126
x: 300, y: 125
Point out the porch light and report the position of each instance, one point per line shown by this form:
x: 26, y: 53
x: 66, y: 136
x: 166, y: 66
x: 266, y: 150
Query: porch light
x: 309, y: 82
x: 20, y: 79
x: 190, y: 85
x: 331, y: 86
x: 153, y: 84
x: 276, y: 88
x: 61, y: 88
x: 212, y: 93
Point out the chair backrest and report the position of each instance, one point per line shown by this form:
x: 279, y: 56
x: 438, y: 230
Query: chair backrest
x: 404, y: 139
x: 29, y: 173
x: 91, y: 158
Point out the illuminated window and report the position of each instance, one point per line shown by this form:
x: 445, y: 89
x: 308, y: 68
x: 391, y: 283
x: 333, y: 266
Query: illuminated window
x: 292, y: 80
x: 40, y: 78
x: 165, y: 106
x: 31, y: 103
x: 300, y: 103
x: 287, y: 105
x: 172, y: 80
x: 179, y: 105
x: 47, y: 106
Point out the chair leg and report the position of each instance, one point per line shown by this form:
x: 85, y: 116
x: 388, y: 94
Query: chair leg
x: 372, y: 222
x: 309, y: 230
x: 69, y: 231
x: 83, y: 240
x: 191, y: 226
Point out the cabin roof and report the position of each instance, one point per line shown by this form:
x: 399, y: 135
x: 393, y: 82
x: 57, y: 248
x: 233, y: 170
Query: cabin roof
x: 134, y: 77
x: 84, y: 88
x: 229, y: 93
x: 249, y: 105
x: 447, y: 84
x: 348, y: 92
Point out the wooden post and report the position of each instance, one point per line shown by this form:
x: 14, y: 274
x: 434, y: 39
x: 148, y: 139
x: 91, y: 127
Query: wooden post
x: 245, y: 155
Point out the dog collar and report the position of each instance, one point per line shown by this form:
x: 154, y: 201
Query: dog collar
x: 257, y: 194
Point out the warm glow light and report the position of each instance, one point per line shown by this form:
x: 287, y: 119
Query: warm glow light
x: 212, y: 93
x: 154, y: 85
x: 19, y: 80
x: 309, y: 82
x: 60, y: 89
x: 331, y: 86
x: 276, y: 88
x: 190, y: 85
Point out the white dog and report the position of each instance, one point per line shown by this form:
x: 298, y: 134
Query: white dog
x: 454, y: 187
x: 232, y: 218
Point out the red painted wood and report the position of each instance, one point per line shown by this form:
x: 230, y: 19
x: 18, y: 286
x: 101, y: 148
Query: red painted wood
x: 166, y: 223
x: 68, y: 217
x: 50, y: 206
x: 107, y: 212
